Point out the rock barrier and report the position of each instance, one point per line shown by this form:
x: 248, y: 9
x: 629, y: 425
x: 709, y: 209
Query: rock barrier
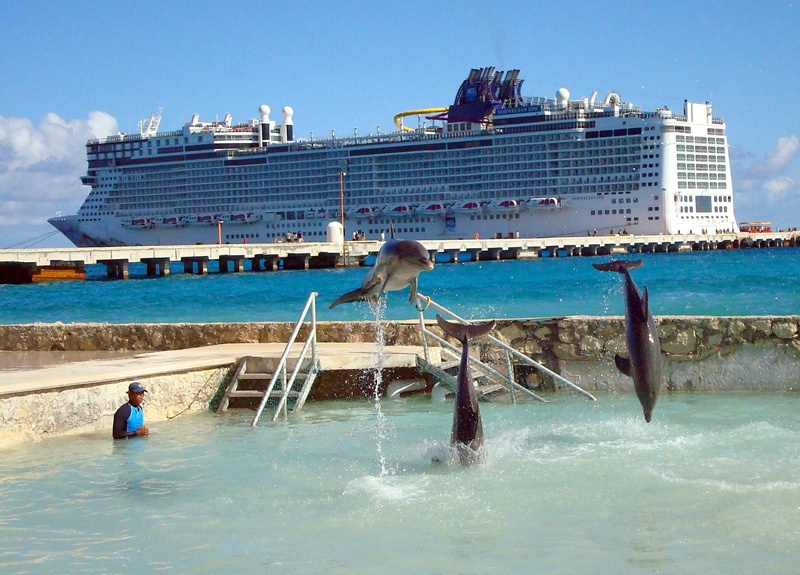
x: 738, y: 353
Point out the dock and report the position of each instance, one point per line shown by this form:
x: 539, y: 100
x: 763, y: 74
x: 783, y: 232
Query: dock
x: 38, y: 264
x: 82, y: 374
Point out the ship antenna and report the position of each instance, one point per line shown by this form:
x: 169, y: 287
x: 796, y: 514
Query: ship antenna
x: 149, y: 126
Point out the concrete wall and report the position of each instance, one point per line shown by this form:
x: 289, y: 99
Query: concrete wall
x: 703, y: 354
x: 34, y: 416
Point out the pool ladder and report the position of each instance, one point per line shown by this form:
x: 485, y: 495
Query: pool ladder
x: 253, y: 378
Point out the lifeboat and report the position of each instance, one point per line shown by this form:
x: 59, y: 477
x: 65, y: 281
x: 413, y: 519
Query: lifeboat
x: 431, y: 209
x: 545, y: 203
x: 468, y: 207
x: 137, y: 223
x: 247, y: 218
x: 204, y: 220
x: 173, y: 221
x: 505, y: 206
x: 361, y: 212
x: 398, y: 210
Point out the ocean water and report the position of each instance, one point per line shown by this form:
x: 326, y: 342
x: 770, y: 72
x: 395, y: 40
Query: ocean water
x: 726, y: 282
x: 711, y: 486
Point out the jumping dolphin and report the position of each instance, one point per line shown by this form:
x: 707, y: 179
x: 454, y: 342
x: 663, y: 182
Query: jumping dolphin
x: 644, y: 349
x: 467, y: 434
x: 398, y: 264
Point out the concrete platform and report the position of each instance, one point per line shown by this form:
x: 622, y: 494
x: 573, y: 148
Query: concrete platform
x: 69, y: 375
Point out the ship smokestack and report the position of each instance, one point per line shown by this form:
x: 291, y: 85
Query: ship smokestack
x: 287, y: 129
x: 263, y: 131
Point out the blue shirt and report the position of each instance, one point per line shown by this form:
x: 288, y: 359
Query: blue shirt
x: 127, y: 420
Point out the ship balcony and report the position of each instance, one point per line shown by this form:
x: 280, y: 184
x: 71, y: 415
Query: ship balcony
x: 89, y: 180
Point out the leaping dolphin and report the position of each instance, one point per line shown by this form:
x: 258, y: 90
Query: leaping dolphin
x: 644, y: 349
x: 467, y: 434
x: 398, y: 264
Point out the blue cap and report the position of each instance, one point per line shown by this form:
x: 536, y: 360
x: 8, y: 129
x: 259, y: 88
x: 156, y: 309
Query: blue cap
x: 136, y: 387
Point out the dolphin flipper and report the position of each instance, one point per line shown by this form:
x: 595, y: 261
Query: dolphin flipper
x: 413, y: 294
x: 624, y: 365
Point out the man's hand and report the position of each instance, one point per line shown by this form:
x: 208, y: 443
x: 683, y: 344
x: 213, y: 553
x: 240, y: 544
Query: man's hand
x: 143, y: 431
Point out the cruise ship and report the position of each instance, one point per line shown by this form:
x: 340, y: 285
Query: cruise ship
x: 493, y: 164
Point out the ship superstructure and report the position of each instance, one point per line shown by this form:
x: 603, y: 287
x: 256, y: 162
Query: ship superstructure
x: 494, y: 163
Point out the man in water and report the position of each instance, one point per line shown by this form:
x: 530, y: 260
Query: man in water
x: 129, y: 418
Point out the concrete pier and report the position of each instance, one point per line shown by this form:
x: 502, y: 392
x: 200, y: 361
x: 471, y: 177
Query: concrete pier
x: 314, y: 255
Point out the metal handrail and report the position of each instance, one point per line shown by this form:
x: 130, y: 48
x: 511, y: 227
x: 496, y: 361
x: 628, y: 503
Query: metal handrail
x: 311, y: 343
x: 424, y: 302
x: 511, y: 384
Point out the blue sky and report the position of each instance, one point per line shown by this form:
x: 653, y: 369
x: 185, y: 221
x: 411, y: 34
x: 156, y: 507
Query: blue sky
x: 77, y: 70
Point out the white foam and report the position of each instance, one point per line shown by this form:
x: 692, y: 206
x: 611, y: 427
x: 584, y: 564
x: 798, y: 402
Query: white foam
x: 388, y: 488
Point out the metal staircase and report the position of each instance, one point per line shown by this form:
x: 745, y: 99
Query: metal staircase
x: 275, y: 385
x: 487, y: 379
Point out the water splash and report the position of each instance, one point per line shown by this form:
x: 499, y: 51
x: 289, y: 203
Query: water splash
x: 379, y: 309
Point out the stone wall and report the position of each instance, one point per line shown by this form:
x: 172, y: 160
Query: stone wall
x: 574, y: 338
x: 702, y: 354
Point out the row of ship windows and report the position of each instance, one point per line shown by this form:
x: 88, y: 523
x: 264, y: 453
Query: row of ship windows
x: 210, y: 184
x: 702, y: 176
x: 699, y: 139
x: 552, y: 186
x: 415, y: 169
x: 690, y: 209
x: 700, y: 185
x: 699, y: 149
x: 700, y: 158
x: 719, y: 199
x: 518, y: 180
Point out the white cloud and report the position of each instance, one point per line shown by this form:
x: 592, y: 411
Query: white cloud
x: 783, y: 152
x: 777, y: 188
x: 40, y: 167
x: 769, y: 188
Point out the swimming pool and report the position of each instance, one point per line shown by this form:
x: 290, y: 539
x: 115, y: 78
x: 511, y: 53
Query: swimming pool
x: 710, y: 486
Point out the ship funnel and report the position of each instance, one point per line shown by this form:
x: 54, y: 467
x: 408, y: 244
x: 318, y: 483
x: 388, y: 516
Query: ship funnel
x: 195, y: 119
x: 562, y: 98
x: 287, y: 128
x: 263, y: 132
x: 228, y: 120
x: 592, y: 98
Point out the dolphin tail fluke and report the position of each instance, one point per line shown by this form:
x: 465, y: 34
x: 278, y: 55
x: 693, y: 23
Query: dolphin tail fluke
x: 618, y: 266
x: 462, y: 331
x: 349, y: 297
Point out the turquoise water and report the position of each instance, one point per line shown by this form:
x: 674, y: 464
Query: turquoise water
x: 729, y: 282
x: 711, y: 486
